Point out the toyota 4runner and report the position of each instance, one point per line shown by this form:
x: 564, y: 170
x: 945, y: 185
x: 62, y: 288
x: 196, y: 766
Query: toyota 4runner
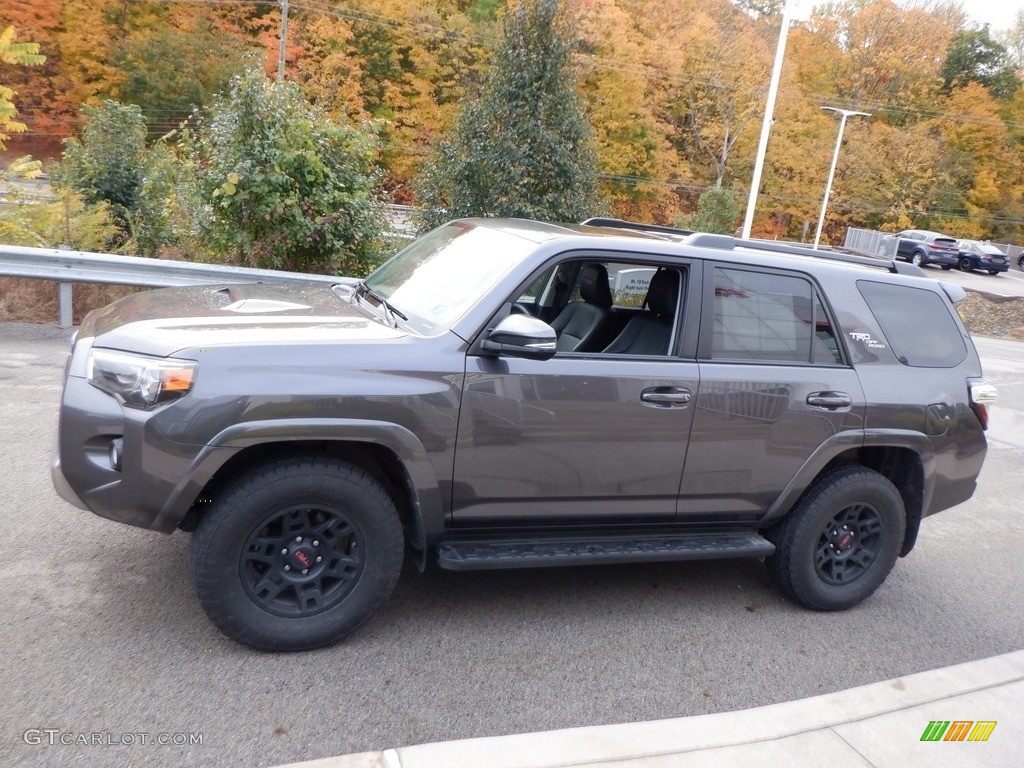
x: 510, y: 394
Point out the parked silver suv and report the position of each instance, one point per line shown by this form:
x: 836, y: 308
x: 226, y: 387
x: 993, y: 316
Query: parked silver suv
x: 510, y: 394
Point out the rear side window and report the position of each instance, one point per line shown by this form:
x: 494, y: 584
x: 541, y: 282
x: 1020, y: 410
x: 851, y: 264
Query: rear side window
x: 918, y: 324
x: 770, y: 318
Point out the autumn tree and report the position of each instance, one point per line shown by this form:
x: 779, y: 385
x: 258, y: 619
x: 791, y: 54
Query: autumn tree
x: 277, y: 185
x: 43, y: 102
x: 637, y: 163
x: 524, y: 147
x: 713, y: 104
x: 406, y: 64
x: 171, y: 69
x: 21, y: 54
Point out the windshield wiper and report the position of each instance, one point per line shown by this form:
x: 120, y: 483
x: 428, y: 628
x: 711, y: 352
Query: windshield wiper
x: 389, y: 311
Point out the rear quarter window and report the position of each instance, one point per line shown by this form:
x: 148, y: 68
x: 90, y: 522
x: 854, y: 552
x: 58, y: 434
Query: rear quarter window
x: 918, y: 324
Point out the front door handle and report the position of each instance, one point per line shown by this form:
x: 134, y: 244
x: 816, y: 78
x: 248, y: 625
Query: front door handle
x: 830, y: 401
x: 665, y: 397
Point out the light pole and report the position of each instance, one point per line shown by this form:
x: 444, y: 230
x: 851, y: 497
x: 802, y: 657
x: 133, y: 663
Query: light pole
x: 844, y: 113
x: 769, y: 116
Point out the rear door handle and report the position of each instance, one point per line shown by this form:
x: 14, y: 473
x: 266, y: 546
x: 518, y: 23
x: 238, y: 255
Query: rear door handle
x: 830, y: 401
x: 665, y: 397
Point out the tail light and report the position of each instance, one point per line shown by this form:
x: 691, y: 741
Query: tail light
x: 981, y: 395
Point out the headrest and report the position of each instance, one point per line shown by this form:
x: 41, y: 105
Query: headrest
x: 663, y: 292
x: 594, y: 286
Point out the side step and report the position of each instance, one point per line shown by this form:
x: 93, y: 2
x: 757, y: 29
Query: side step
x: 541, y: 553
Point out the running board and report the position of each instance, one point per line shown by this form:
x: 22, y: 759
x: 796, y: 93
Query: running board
x: 533, y: 553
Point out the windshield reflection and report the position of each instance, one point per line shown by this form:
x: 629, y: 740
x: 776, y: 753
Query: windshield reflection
x: 436, y: 279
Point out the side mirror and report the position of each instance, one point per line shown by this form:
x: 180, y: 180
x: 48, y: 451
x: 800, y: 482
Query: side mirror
x: 521, y: 336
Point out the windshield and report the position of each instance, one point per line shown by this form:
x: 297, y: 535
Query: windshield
x: 438, y: 277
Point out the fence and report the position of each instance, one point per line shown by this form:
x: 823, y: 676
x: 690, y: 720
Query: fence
x: 884, y: 244
x: 67, y: 267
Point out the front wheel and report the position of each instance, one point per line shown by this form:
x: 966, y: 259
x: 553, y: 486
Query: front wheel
x: 964, y: 264
x: 297, y: 554
x: 917, y: 259
x: 841, y: 540
x: 1020, y: 262
x: 993, y: 272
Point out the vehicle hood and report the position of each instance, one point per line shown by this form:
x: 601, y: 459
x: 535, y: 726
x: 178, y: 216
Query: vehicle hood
x: 164, y: 321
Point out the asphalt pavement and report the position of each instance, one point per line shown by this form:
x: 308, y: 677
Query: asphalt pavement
x: 107, y: 651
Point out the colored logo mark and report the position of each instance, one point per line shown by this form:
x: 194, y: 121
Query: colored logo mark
x: 958, y: 730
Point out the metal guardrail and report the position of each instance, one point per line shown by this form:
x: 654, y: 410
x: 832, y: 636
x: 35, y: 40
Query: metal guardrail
x: 67, y: 267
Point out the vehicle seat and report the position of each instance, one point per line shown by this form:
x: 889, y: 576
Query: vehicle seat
x: 579, y: 323
x: 649, y: 333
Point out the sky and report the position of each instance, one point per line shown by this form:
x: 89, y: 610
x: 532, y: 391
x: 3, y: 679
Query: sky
x: 998, y: 14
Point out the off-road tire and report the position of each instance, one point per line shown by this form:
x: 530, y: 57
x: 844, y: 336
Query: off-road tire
x: 248, y: 553
x: 825, y: 567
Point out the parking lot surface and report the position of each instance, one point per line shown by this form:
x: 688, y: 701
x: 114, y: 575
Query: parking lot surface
x: 107, y: 649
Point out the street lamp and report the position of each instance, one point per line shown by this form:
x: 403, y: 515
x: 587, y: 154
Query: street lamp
x: 769, y: 117
x: 844, y: 113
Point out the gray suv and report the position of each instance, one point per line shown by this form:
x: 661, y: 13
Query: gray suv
x: 513, y: 394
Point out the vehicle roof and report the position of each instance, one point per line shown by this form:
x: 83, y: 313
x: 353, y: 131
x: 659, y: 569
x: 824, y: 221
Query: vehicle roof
x: 931, y: 233
x: 774, y: 254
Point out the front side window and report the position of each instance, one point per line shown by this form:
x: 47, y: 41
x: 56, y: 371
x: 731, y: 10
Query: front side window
x: 598, y: 306
x: 770, y: 318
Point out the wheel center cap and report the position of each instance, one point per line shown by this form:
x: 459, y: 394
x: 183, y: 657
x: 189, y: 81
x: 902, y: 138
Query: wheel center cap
x: 301, y: 558
x: 845, y: 542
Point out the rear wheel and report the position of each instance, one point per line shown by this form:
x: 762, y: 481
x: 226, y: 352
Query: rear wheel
x: 297, y: 554
x: 841, y: 540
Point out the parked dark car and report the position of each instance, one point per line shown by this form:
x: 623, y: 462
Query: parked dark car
x: 703, y: 397
x: 975, y: 254
x: 921, y: 247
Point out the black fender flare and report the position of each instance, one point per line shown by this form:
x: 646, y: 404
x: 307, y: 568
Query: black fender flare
x: 428, y: 509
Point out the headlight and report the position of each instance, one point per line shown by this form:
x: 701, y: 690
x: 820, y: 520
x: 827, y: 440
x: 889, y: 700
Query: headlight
x: 139, y: 381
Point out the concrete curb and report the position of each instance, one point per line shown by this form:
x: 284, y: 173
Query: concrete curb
x: 878, y: 724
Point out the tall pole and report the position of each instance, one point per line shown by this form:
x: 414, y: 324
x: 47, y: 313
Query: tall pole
x: 283, y: 42
x: 769, y: 116
x: 844, y: 113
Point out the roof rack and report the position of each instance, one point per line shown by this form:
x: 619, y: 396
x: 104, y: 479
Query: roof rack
x: 730, y: 243
x: 601, y: 221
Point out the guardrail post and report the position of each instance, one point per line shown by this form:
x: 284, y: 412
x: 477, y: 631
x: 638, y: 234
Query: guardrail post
x: 65, y: 300
x: 66, y: 311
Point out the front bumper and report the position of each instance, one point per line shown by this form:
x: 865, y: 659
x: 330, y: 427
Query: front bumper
x: 61, y: 484
x: 82, y: 472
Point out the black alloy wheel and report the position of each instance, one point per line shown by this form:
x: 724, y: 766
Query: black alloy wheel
x: 297, y: 553
x: 840, y: 541
x: 849, y: 544
x: 301, y: 561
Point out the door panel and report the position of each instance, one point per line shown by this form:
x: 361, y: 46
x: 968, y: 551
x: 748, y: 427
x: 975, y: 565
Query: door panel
x: 572, y: 438
x: 756, y: 425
